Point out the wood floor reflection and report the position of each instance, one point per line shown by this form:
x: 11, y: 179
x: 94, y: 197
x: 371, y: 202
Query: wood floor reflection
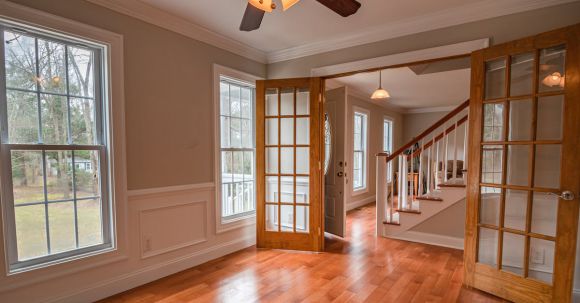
x: 358, y: 268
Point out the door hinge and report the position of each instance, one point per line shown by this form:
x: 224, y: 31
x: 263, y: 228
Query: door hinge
x: 319, y: 166
x: 319, y: 232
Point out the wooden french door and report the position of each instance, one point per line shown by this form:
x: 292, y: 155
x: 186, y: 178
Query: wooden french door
x: 289, y: 164
x: 524, y: 178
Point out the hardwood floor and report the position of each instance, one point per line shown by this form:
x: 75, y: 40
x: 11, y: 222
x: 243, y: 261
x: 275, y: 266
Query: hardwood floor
x: 359, y: 268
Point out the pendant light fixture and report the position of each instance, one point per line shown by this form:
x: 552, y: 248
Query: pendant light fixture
x: 265, y: 5
x: 380, y: 93
x: 286, y: 4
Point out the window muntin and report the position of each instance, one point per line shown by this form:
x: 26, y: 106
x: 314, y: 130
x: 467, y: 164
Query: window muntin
x: 53, y: 142
x: 359, y: 151
x: 237, y: 148
x: 388, y: 143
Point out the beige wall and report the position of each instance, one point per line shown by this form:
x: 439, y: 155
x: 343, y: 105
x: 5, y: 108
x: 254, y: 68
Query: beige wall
x: 375, y: 144
x: 449, y: 222
x: 414, y: 124
x: 499, y: 29
x: 168, y: 95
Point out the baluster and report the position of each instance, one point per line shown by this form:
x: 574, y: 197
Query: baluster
x: 436, y: 185
x: 420, y: 189
x: 429, y: 168
x: 454, y: 173
x: 446, y: 153
x: 382, y: 194
x: 412, y: 181
x: 392, y: 206
x: 404, y: 184
x: 399, y: 182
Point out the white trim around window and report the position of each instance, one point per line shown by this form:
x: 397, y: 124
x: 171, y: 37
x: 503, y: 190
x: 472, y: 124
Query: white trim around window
x: 224, y: 224
x: 388, y: 141
x: 364, y: 150
x: 114, y: 136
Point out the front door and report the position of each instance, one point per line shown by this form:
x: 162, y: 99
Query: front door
x: 524, y: 174
x: 289, y: 164
x: 335, y: 177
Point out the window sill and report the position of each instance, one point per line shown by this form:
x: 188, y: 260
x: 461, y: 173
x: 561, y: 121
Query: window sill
x: 360, y: 191
x: 235, y: 223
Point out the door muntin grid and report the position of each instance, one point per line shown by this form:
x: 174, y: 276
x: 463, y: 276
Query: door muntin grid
x: 522, y: 130
x: 287, y: 160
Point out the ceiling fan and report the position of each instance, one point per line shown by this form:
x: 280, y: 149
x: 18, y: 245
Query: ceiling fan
x: 256, y: 9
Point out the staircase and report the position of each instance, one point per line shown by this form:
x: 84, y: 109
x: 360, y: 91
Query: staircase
x: 423, y: 177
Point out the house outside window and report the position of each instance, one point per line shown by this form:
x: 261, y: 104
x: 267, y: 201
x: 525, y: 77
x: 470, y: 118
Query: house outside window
x: 54, y: 148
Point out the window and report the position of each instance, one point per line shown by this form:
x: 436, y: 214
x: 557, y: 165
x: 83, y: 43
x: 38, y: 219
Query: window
x: 237, y: 148
x: 54, y: 147
x: 388, y: 143
x: 359, y: 151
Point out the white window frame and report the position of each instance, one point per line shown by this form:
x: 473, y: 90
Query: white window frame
x: 364, y: 188
x: 113, y: 114
x: 234, y: 222
x: 388, y: 146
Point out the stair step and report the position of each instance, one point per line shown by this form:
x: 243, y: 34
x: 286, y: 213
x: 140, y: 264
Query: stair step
x: 452, y: 185
x: 409, y: 211
x: 427, y: 198
x: 392, y: 223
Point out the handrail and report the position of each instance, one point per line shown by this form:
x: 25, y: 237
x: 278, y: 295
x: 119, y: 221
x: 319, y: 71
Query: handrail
x: 424, y: 134
x: 438, y: 137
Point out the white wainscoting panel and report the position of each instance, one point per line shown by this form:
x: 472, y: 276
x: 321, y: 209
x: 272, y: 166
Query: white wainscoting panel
x: 187, y: 227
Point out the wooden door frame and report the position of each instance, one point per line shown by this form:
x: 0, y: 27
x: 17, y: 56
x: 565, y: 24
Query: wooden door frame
x: 482, y: 276
x: 314, y: 240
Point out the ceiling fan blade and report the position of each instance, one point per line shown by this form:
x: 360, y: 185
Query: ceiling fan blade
x: 252, y: 18
x: 344, y: 8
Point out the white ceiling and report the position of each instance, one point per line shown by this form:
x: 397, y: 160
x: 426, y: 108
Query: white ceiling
x: 409, y: 91
x: 309, y: 27
x: 306, y: 22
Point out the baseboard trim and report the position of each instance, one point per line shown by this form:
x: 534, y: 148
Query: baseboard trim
x: 359, y: 203
x: 575, y: 295
x: 431, y: 239
x: 151, y: 273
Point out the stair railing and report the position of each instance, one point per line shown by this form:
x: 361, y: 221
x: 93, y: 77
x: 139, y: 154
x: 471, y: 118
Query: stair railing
x: 421, y: 166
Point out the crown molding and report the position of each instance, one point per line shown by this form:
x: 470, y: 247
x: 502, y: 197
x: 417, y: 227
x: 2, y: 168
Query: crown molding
x: 445, y: 18
x: 155, y: 16
x: 454, y: 16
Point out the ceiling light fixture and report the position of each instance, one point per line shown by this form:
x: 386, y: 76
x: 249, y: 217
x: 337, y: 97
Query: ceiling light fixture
x: 265, y: 5
x: 554, y: 79
x: 380, y: 93
x: 286, y: 4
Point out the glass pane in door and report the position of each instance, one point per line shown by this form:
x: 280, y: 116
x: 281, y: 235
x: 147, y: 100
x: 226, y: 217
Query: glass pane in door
x: 487, y: 246
x: 552, y: 69
x: 520, y: 120
x: 541, y: 262
x: 522, y: 69
x: 550, y: 118
x: 495, y: 79
x: 516, y: 202
x: 287, y: 152
x: 512, y: 258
